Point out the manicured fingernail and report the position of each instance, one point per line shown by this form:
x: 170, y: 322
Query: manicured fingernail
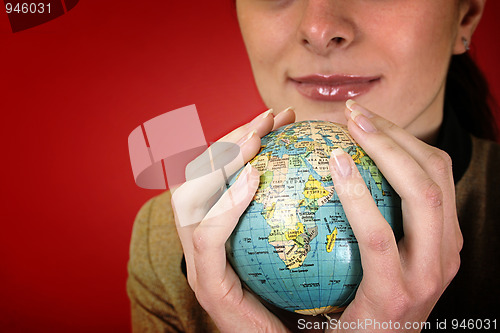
x: 245, y: 138
x: 284, y: 114
x: 349, y: 103
x: 237, y: 189
x: 363, y: 122
x: 342, y: 162
x: 353, y: 106
x: 246, y: 170
x: 260, y: 117
x: 267, y: 113
x: 249, y: 136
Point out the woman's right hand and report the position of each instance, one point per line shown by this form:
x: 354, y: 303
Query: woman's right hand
x: 205, y: 221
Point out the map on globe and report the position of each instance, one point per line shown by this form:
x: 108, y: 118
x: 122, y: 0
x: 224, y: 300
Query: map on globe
x: 293, y: 246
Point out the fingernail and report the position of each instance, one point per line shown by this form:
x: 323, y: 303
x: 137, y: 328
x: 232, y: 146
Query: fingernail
x: 363, y: 122
x: 246, y: 170
x: 290, y: 108
x: 237, y: 193
x: 353, y: 106
x: 349, y: 103
x: 342, y: 162
x: 243, y: 176
x: 245, y: 138
x: 260, y: 117
x: 267, y: 113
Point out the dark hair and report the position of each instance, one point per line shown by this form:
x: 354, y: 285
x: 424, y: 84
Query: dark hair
x: 468, y: 94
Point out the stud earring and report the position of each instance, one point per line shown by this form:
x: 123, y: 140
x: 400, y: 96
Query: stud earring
x: 466, y: 44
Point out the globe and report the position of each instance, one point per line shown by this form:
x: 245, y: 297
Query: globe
x: 293, y: 246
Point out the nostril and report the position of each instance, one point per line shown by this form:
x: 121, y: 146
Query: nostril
x: 337, y: 40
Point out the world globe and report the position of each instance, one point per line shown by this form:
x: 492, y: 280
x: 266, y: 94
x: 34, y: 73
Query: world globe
x: 293, y: 246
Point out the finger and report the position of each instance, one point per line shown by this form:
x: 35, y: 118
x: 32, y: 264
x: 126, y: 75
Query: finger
x: 433, y: 161
x: 207, y: 174
x: 376, y: 241
x: 283, y: 118
x: 219, y: 154
x: 422, y: 197
x: 262, y: 124
x: 193, y: 199
x: 224, y: 155
x: 210, y: 236
x: 258, y: 125
x: 186, y: 231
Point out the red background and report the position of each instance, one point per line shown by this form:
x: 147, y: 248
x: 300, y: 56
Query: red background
x: 71, y: 91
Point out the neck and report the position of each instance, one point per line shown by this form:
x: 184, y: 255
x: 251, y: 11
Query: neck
x: 427, y: 124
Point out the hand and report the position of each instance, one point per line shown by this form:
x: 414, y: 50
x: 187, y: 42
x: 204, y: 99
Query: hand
x: 205, y: 221
x: 401, y: 281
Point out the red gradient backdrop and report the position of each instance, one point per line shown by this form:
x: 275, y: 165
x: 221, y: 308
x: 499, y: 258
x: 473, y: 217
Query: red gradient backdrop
x: 71, y: 91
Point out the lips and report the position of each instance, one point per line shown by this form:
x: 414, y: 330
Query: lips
x: 333, y: 87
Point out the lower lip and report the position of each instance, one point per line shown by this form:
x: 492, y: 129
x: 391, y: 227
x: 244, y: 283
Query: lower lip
x: 334, y: 93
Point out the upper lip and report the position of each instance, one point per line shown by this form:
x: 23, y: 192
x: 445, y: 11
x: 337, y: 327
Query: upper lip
x: 334, y: 79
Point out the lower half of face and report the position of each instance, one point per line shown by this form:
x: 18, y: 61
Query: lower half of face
x: 390, y: 56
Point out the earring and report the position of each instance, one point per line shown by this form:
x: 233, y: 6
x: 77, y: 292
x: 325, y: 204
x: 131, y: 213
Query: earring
x: 466, y: 44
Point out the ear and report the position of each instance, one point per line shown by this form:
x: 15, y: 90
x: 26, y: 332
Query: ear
x: 470, y: 13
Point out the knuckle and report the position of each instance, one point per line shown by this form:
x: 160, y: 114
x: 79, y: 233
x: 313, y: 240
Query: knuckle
x: 236, y: 133
x: 186, y: 210
x: 204, y: 298
x: 432, y: 194
x: 431, y: 288
x: 389, y: 125
x: 200, y: 241
x: 441, y: 162
x: 380, y: 241
x: 191, y: 277
x: 190, y: 168
x: 216, y: 157
x: 460, y: 240
x: 387, y: 145
x: 453, y: 265
x: 221, y: 296
x: 197, y: 167
x: 179, y: 198
x: 399, y: 304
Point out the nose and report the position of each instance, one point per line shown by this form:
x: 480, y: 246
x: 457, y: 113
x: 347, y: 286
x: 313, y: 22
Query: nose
x: 325, y: 26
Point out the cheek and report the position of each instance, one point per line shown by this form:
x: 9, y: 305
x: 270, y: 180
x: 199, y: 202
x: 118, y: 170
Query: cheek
x: 423, y: 39
x: 267, y: 41
x: 269, y: 47
x: 417, y: 56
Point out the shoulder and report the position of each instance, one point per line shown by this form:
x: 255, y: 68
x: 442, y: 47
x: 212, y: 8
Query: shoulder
x: 154, y: 237
x: 477, y: 195
x: 485, y: 150
x: 483, y: 171
x: 160, y: 296
x: 478, y: 190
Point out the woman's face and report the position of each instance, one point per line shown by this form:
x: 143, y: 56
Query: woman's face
x: 391, y: 56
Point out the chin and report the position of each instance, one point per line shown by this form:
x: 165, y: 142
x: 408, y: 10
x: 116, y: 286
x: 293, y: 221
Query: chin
x: 333, y: 112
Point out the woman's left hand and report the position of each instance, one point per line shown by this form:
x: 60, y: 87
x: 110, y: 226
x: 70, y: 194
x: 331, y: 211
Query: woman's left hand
x: 401, y: 281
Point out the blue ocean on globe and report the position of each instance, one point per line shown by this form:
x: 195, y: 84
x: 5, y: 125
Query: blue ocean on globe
x: 293, y: 246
